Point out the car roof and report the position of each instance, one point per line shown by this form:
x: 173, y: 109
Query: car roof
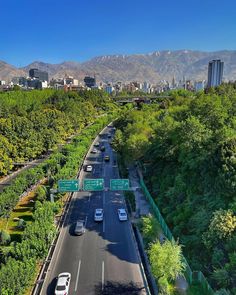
x: 62, y: 278
x: 78, y: 222
x: 122, y: 210
x: 99, y: 210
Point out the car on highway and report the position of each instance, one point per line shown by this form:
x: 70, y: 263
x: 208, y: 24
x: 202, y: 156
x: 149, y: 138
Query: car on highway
x: 63, y: 283
x: 94, y: 151
x: 89, y: 168
x: 79, y: 227
x: 109, y: 136
x: 122, y: 214
x: 103, y: 148
x: 96, y: 144
x: 98, y: 214
x: 106, y: 158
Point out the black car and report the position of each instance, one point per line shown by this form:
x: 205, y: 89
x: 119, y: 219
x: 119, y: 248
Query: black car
x: 103, y: 148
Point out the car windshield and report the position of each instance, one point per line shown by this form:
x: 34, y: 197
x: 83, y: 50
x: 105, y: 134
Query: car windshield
x: 122, y: 213
x: 98, y: 213
x: 60, y: 288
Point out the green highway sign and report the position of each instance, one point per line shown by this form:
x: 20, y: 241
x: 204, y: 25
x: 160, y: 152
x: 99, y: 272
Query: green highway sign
x: 93, y: 184
x: 119, y: 184
x: 68, y: 185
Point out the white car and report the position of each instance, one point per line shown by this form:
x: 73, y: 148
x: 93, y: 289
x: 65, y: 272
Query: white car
x: 63, y: 283
x: 122, y: 214
x: 94, y: 151
x: 89, y: 168
x: 98, y: 215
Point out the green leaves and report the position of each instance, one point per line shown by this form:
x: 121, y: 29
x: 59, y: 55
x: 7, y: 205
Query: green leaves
x: 188, y: 149
x: 222, y: 226
x: 166, y: 260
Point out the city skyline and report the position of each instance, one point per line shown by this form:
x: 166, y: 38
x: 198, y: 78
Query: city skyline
x: 78, y: 31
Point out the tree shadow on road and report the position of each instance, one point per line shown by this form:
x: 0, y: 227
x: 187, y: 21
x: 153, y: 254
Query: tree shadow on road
x: 111, y: 287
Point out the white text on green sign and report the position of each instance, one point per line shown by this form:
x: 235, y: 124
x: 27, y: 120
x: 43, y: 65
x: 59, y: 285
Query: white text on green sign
x: 119, y: 184
x: 93, y: 184
x: 68, y: 185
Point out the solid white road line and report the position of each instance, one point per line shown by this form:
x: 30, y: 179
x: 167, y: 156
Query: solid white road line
x: 103, y: 225
x: 86, y: 221
x: 77, y: 277
x: 102, y: 275
x: 67, y: 215
x: 103, y: 199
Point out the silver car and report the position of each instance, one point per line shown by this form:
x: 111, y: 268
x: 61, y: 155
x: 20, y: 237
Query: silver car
x: 79, y: 228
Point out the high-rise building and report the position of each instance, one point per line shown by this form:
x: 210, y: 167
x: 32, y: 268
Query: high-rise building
x: 37, y: 74
x: 215, y: 73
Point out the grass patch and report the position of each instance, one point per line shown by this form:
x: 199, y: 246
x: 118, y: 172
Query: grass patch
x: 23, y: 210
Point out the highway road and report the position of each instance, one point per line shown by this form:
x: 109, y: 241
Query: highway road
x: 104, y: 260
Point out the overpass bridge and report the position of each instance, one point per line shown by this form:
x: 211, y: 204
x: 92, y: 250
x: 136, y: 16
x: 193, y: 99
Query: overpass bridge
x: 137, y: 100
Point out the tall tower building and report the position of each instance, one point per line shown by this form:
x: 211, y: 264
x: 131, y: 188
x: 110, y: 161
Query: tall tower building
x: 215, y: 73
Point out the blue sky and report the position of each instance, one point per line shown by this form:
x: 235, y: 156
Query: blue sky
x: 55, y: 31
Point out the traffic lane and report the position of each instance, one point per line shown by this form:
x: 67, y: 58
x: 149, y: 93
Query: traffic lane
x: 122, y: 265
x: 92, y: 249
x: 68, y: 245
x: 122, y: 258
x: 64, y: 259
x: 78, y: 251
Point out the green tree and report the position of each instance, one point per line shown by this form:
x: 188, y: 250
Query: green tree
x: 166, y: 260
x: 5, y: 237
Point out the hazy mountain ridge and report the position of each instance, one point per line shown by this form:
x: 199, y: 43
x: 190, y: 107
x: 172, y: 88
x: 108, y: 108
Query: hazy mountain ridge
x: 151, y: 67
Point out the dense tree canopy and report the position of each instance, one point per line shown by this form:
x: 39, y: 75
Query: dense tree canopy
x: 187, y: 144
x: 33, y: 122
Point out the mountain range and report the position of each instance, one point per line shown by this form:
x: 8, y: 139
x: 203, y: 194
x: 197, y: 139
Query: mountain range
x: 151, y: 67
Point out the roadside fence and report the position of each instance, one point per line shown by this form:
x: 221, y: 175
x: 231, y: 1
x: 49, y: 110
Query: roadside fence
x: 191, y: 276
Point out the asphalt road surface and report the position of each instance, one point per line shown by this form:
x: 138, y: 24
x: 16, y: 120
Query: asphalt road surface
x: 104, y: 259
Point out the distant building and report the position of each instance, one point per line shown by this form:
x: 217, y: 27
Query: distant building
x: 37, y: 74
x: 138, y: 85
x: 90, y: 81
x: 215, y: 73
x: 36, y: 84
x: 189, y: 85
x: 199, y: 85
x: 70, y: 81
x: 20, y: 81
x: 57, y: 83
x: 109, y: 89
x: 15, y: 80
x: 2, y: 82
